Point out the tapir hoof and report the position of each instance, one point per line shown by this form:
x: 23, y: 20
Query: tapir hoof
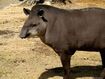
x: 103, y: 73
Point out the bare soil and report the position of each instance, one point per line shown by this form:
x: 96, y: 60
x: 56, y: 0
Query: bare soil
x: 31, y: 59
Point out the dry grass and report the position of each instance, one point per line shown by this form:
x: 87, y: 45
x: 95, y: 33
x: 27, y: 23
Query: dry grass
x: 31, y: 59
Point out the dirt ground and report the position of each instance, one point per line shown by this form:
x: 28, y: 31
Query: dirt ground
x: 31, y: 59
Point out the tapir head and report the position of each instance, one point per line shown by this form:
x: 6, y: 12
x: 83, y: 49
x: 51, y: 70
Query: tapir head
x: 35, y: 24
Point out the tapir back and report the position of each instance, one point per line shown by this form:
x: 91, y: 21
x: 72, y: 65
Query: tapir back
x: 82, y: 29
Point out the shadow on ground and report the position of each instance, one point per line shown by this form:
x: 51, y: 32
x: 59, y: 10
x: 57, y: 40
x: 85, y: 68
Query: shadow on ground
x: 6, y: 32
x: 78, y: 71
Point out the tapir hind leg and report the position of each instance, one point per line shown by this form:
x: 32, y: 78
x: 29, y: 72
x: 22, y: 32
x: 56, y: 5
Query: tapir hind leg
x: 103, y: 63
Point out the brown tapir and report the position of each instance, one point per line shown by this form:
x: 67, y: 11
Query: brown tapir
x: 67, y: 31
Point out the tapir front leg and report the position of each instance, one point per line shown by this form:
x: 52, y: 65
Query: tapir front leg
x: 65, y: 60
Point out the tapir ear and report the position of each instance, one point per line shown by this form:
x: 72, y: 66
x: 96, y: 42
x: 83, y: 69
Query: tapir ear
x: 40, y: 12
x: 26, y: 11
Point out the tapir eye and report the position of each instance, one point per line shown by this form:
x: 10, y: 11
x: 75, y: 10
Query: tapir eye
x: 34, y: 25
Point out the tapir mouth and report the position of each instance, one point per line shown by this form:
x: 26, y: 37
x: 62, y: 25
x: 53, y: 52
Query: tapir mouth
x: 28, y: 34
x: 25, y: 36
